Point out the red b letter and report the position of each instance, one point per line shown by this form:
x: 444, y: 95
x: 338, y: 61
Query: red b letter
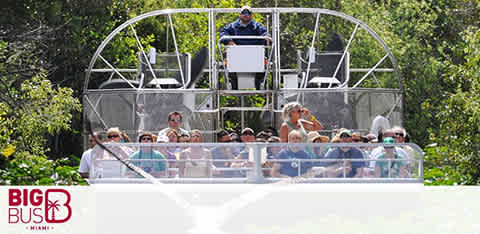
x: 14, y: 197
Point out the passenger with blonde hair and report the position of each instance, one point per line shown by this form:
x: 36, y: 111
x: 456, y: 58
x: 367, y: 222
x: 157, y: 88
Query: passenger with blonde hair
x: 292, y: 117
x: 172, y: 152
x: 291, y: 168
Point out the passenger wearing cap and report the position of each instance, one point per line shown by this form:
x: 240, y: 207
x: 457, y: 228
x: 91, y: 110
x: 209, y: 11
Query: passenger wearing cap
x: 244, y: 26
x: 390, y: 169
x: 379, y: 150
x: 150, y: 160
x: 352, y: 168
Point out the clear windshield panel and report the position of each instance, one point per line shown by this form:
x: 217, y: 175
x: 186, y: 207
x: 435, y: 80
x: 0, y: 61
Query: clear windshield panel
x: 134, y: 112
x: 255, y: 162
x: 355, y: 109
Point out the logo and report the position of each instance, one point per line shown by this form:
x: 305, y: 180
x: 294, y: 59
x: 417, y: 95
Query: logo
x: 39, y: 209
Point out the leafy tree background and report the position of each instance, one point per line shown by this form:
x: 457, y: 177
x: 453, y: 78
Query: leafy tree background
x: 45, y: 47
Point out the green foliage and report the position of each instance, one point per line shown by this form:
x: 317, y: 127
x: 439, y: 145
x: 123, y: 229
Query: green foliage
x: 31, y: 108
x: 34, y: 110
x: 459, y: 112
x: 28, y: 169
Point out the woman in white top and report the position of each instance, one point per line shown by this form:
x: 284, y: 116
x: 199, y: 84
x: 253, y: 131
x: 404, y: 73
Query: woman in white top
x: 292, y: 120
x: 195, y: 162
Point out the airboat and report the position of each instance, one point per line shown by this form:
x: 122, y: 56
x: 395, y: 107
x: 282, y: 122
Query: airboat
x: 172, y: 60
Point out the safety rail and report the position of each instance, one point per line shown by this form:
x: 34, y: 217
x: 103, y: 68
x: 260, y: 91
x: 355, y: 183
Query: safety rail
x: 258, y: 163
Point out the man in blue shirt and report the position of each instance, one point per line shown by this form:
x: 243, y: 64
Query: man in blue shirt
x: 244, y: 26
x: 294, y: 155
x: 353, y: 168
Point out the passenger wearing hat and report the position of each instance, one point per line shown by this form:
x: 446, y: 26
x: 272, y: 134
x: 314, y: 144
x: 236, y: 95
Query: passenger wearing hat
x: 244, y: 26
x: 390, y: 169
x: 151, y: 161
x: 316, y: 152
x: 352, y: 169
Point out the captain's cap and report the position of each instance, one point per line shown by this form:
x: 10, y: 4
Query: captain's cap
x: 248, y: 8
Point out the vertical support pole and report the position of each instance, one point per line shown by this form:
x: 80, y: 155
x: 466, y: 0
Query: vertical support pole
x: 299, y: 170
x: 257, y: 170
x: 213, y: 50
x: 389, y: 168
x: 242, y: 113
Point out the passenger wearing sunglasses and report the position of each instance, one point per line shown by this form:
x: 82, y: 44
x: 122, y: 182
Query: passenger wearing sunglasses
x: 174, y: 122
x: 247, y: 135
x: 114, y: 135
x: 151, y: 161
x: 223, y: 153
x: 400, y: 137
x: 292, y: 120
x: 379, y: 150
x: 351, y: 168
x: 102, y: 157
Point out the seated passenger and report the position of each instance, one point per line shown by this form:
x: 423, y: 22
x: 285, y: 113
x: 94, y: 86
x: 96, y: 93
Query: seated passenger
x: 151, y: 161
x: 352, y: 169
x: 394, y: 169
x: 291, y: 168
x: 262, y: 136
x: 248, y: 135
x: 124, y: 138
x: 195, y: 161
x: 172, y: 152
x: 222, y: 153
x: 105, y: 164
x: 184, y: 138
x: 400, y: 136
x: 86, y: 160
x: 114, y: 136
x: 271, y: 153
x: 174, y: 122
x: 317, y: 152
x: 379, y: 150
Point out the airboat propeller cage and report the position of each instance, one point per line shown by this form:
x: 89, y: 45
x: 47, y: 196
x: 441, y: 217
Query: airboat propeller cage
x: 340, y: 90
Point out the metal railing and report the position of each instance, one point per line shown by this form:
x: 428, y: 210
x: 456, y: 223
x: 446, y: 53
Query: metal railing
x: 256, y: 163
